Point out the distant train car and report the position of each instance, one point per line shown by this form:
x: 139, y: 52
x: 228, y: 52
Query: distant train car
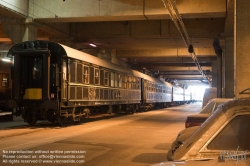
x: 56, y: 83
x: 156, y: 93
x: 178, y: 95
x: 187, y: 96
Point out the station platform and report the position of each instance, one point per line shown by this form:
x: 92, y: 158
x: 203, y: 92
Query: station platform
x: 17, y: 127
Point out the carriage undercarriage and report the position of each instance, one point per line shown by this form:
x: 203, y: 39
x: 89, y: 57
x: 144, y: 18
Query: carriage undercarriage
x: 33, y: 111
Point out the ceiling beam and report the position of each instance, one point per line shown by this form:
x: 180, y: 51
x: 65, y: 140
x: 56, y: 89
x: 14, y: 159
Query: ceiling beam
x: 96, y: 10
x: 182, y: 52
x: 182, y: 72
x: 171, y: 59
x: 149, y: 64
x: 171, y: 68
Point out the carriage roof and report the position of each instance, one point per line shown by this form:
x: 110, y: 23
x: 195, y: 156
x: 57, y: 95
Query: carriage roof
x: 57, y: 49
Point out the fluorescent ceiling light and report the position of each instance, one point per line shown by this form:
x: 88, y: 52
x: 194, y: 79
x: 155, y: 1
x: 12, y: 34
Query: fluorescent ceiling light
x: 6, y: 60
x: 93, y: 45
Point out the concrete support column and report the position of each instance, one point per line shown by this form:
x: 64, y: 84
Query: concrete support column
x: 214, y: 73
x: 20, y: 32
x: 229, y: 68
x: 241, y: 46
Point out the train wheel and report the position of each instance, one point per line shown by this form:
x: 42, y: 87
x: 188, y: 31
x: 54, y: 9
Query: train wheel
x: 136, y: 108
x: 86, y: 111
x: 127, y: 109
x: 110, y: 109
x: 133, y: 109
x: 119, y: 111
x: 30, y: 117
x: 80, y: 120
x: 62, y: 121
x: 31, y: 120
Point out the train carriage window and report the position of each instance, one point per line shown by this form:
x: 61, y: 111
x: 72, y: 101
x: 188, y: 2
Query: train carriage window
x: 135, y: 83
x: 5, y: 80
x: 119, y: 80
x: 64, y: 93
x: 31, y: 68
x: 129, y: 79
x: 124, y: 82
x: 112, y: 79
x: 37, y: 69
x: 148, y: 84
x: 116, y: 80
x: 85, y: 78
x: 129, y: 82
x: 72, y: 71
x: 132, y: 83
x: 106, y: 78
x: 79, y: 72
x: 97, y: 76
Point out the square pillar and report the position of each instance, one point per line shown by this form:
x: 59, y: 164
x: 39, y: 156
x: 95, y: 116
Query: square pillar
x: 19, y: 32
x: 229, y: 68
x: 241, y: 46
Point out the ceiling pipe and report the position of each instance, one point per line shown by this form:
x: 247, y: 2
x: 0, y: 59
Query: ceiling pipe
x: 218, y: 51
x: 170, y: 5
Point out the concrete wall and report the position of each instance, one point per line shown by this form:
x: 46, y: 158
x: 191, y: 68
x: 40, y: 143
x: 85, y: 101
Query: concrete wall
x: 19, y: 6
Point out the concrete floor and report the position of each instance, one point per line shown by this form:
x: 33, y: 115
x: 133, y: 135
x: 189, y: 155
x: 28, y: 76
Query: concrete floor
x: 137, y: 140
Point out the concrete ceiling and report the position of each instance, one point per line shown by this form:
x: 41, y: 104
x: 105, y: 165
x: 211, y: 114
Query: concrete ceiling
x: 140, y: 32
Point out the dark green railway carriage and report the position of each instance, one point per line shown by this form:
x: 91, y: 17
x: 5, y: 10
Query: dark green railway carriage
x: 56, y: 83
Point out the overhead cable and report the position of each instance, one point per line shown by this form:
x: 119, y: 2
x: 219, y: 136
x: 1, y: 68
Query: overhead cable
x: 170, y: 5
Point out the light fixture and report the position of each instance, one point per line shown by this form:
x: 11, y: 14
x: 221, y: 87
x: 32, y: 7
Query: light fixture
x: 6, y: 60
x: 93, y: 45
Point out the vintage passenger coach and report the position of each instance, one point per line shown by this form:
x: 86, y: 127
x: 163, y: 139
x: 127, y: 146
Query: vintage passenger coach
x: 57, y: 83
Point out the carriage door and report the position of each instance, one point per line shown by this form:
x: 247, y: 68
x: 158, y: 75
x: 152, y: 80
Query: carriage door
x: 33, y: 81
x: 64, y: 86
x: 54, y: 81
